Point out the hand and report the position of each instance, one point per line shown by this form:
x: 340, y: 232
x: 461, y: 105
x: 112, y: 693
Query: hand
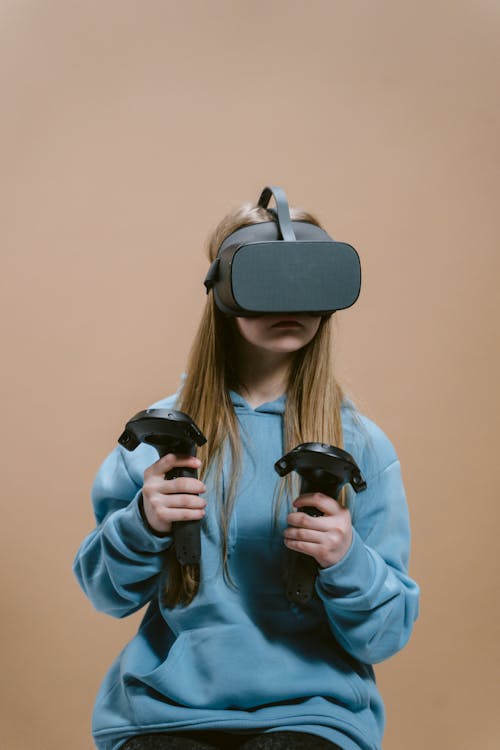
x: 327, y: 538
x: 166, y: 500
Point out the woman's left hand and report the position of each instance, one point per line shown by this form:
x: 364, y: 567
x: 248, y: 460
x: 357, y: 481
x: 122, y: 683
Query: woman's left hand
x: 327, y: 538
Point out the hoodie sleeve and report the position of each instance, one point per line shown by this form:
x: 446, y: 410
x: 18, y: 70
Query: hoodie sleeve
x: 119, y: 563
x: 370, y: 600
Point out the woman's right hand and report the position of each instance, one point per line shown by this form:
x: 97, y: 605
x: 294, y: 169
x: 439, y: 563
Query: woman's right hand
x: 166, y: 501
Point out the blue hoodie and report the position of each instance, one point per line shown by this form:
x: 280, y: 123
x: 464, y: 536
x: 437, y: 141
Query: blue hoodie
x: 247, y: 660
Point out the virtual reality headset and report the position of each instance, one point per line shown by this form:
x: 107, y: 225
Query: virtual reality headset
x: 283, y: 266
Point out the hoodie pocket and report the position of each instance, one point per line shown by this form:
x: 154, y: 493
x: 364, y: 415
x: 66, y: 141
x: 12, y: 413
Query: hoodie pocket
x: 236, y: 667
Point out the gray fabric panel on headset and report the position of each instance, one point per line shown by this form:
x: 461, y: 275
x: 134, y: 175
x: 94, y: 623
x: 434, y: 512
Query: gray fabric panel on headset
x: 267, y: 231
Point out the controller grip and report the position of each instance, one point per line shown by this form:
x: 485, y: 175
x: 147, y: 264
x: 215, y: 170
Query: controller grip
x: 301, y: 577
x: 302, y: 569
x: 186, y: 534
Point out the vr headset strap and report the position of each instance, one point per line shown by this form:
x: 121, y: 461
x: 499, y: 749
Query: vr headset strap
x: 282, y: 210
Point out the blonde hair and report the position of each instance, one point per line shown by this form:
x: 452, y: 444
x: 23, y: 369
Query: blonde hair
x: 205, y: 397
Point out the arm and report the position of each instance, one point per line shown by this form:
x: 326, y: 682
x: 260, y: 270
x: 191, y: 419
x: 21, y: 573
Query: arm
x: 119, y: 563
x: 369, y: 599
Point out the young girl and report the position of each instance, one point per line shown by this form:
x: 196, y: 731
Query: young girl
x: 222, y: 658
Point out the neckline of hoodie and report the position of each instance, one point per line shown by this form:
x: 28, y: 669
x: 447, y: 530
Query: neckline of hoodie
x: 269, y: 407
x: 278, y: 405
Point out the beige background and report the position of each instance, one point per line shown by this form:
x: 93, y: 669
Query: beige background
x: 127, y: 130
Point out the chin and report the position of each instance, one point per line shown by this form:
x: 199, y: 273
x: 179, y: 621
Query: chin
x: 289, y: 346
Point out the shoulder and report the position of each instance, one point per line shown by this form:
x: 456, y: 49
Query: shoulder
x: 368, y: 444
x: 168, y: 402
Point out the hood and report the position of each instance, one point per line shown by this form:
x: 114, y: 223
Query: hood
x: 270, y: 407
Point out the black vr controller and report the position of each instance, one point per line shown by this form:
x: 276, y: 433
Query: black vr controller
x: 322, y: 468
x: 170, y: 432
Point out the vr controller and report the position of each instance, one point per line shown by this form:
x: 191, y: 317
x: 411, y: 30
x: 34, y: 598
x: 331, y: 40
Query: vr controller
x: 170, y: 432
x: 283, y: 266
x: 322, y: 468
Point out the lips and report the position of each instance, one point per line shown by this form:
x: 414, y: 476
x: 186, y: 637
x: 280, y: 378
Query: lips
x: 287, y: 323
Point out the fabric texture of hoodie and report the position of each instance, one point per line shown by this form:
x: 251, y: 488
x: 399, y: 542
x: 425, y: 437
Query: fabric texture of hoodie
x: 245, y: 659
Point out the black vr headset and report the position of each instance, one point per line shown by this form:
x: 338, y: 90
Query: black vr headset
x: 283, y: 266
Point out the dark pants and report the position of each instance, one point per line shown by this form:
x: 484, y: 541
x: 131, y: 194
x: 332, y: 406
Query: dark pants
x: 229, y: 741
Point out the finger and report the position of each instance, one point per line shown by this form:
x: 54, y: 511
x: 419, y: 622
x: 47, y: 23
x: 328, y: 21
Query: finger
x: 308, y: 548
x: 304, y: 535
x: 171, y: 515
x: 180, y: 501
x: 304, y: 521
x: 328, y: 505
x: 170, y: 461
x: 181, y: 485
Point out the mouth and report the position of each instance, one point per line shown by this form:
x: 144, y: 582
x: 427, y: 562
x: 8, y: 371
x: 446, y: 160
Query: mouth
x: 287, y: 323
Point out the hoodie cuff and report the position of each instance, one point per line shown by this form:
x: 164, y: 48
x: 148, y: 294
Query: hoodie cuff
x: 350, y: 576
x: 131, y: 527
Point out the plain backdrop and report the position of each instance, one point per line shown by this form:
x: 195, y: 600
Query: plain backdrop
x: 127, y: 130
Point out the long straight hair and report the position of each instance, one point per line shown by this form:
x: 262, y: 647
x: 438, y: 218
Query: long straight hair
x: 312, y: 411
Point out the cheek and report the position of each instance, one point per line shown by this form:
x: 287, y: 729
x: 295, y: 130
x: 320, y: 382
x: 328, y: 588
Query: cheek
x: 247, y: 328
x: 314, y: 327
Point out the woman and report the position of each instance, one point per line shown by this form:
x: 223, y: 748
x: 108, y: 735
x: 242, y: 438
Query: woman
x: 222, y: 659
